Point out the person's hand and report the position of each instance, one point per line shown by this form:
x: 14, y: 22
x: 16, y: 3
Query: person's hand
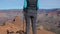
x: 23, y: 12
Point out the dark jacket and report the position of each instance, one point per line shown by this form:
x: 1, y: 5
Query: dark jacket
x: 30, y: 4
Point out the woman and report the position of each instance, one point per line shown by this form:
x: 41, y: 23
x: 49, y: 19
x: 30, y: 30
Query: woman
x: 30, y: 12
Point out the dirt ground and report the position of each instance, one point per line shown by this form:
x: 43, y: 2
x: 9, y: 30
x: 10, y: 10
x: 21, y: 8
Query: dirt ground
x: 16, y: 25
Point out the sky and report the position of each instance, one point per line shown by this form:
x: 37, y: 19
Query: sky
x: 18, y: 4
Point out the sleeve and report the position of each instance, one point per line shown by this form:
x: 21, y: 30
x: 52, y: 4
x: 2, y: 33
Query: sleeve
x: 25, y: 5
x: 37, y: 4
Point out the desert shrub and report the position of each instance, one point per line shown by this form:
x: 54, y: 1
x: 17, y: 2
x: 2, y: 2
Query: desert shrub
x: 2, y: 24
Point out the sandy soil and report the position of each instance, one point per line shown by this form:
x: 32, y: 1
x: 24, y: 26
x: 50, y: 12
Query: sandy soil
x: 16, y: 25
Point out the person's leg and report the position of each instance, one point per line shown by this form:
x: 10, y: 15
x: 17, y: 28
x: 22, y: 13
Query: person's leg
x: 27, y: 19
x: 33, y: 20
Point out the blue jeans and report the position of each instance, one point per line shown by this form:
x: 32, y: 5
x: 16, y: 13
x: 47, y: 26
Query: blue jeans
x: 31, y: 16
